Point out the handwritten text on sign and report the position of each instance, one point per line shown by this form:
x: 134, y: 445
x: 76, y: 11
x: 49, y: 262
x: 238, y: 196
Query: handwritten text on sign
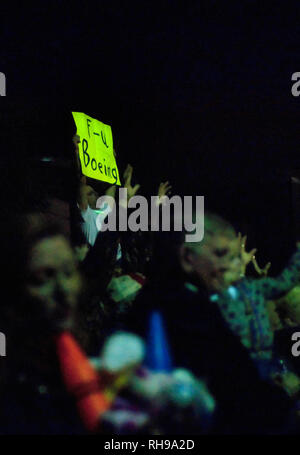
x: 96, y: 151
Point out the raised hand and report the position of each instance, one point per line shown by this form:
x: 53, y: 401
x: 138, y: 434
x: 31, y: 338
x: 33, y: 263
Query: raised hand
x: 127, y: 176
x: 264, y: 271
x: 76, y: 141
x: 246, y: 257
x: 164, y: 189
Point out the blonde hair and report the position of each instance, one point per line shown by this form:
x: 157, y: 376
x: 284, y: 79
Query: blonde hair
x: 215, y: 225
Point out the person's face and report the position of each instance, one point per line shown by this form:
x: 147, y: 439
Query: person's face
x: 216, y: 263
x: 53, y: 283
x: 92, y: 197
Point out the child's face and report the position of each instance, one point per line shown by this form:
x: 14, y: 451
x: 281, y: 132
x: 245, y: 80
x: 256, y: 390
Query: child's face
x: 219, y: 263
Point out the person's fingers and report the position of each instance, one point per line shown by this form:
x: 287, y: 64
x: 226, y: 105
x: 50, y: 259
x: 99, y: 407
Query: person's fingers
x: 164, y: 187
x: 256, y: 266
x: 136, y: 188
x: 267, y: 268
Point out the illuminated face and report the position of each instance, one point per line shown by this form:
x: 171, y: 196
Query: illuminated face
x: 218, y: 263
x: 53, y: 283
x: 92, y: 197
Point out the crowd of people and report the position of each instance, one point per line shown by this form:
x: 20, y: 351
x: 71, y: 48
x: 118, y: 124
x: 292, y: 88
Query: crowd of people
x: 121, y: 332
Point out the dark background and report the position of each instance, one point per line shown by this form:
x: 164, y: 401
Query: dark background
x: 196, y: 92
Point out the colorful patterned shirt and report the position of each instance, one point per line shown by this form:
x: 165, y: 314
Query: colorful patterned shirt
x: 243, y: 306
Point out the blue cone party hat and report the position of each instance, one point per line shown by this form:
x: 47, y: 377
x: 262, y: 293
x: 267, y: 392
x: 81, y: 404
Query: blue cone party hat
x: 158, y: 356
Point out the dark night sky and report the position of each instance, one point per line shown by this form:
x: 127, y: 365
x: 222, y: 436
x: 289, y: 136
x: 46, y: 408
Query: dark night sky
x: 196, y: 92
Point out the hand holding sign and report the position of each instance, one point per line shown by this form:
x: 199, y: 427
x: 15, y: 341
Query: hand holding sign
x: 96, y: 149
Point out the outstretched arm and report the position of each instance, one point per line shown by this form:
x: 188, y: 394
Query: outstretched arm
x: 131, y: 190
x: 262, y: 272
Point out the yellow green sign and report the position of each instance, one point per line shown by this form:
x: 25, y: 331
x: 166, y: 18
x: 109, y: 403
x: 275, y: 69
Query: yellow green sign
x: 96, y: 150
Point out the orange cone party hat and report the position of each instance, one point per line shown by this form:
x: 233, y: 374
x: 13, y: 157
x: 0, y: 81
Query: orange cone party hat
x: 81, y: 380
